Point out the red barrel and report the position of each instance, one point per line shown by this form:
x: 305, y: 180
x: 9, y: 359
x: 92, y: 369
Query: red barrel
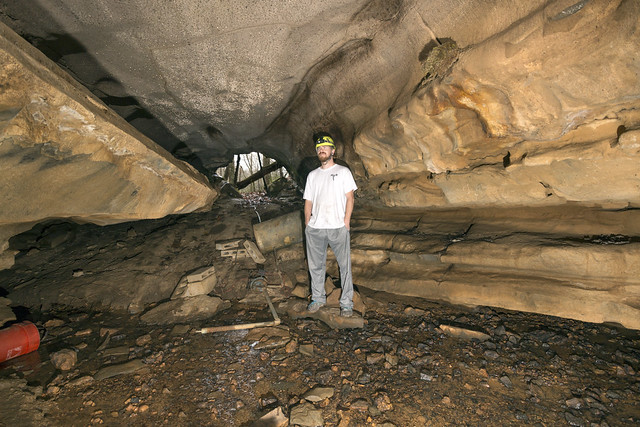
x: 18, y: 339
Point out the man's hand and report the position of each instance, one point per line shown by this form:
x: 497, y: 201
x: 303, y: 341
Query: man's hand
x: 348, y: 210
x: 308, y: 205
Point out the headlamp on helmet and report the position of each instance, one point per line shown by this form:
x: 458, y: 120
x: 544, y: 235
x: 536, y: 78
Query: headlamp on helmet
x: 324, y: 140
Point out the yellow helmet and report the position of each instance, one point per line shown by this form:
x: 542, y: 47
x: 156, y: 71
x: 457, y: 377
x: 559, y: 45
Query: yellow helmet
x: 323, y: 139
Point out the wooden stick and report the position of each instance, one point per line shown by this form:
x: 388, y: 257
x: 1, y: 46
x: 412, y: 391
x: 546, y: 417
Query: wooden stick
x: 238, y: 327
x: 275, y: 322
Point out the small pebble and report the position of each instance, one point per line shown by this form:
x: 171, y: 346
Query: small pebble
x: 574, y: 403
x: 505, y: 381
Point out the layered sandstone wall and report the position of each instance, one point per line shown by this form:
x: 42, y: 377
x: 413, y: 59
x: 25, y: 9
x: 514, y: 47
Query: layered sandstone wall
x: 572, y: 261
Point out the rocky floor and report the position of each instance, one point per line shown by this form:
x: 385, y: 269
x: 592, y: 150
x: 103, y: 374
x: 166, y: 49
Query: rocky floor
x: 413, y: 364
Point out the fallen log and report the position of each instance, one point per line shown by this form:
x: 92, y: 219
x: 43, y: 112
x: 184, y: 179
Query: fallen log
x: 256, y: 176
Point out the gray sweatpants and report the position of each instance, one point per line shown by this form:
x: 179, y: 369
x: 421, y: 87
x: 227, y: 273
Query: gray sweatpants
x: 317, y: 241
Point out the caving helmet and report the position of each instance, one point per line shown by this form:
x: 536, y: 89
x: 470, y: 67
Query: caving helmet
x: 321, y: 139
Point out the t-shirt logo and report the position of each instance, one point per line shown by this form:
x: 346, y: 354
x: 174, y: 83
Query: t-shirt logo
x: 333, y: 176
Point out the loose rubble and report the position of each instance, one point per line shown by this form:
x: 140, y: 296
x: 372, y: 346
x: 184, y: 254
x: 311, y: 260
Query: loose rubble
x: 399, y: 369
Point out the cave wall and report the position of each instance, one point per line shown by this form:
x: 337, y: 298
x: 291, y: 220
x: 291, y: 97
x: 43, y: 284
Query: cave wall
x: 543, y: 113
x: 523, y: 152
x: 568, y: 261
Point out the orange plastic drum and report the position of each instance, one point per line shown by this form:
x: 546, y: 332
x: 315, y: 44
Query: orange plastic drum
x: 18, y: 339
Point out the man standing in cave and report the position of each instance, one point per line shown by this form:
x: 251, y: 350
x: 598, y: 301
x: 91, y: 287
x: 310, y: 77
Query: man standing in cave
x: 328, y: 204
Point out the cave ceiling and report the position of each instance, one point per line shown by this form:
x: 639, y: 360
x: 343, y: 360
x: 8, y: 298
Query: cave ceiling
x: 206, y: 80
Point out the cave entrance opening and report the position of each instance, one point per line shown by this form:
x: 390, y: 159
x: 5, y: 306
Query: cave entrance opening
x: 255, y: 173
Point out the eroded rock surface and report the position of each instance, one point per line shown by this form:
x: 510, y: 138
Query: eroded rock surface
x: 543, y: 113
x: 205, y: 81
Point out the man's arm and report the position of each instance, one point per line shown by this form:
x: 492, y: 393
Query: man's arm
x: 348, y: 210
x: 308, y: 204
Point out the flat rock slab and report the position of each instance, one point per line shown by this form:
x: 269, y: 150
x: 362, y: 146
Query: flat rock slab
x: 307, y: 349
x: 200, y: 274
x: 275, y: 418
x: 297, y: 309
x: 318, y: 394
x: 189, y: 286
x: 116, y: 351
x: 121, y: 369
x: 306, y: 415
x: 200, y: 307
x: 103, y: 171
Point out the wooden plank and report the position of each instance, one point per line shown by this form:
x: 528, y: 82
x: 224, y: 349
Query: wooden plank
x: 254, y: 252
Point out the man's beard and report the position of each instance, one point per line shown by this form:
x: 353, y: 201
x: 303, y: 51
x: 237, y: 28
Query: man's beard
x: 323, y: 157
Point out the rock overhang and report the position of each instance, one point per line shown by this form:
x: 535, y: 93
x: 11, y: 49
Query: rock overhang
x: 64, y: 154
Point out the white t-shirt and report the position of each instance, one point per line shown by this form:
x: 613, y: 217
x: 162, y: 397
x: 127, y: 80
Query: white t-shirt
x: 327, y: 189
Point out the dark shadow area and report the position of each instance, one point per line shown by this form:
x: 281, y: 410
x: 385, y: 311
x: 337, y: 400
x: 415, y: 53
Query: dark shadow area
x: 182, y: 151
x: 24, y: 313
x: 44, y: 235
x: 94, y: 77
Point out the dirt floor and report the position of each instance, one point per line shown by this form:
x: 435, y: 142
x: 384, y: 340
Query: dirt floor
x: 401, y: 369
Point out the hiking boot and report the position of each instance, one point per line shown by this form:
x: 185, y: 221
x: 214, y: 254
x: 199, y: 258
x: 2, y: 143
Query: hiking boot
x: 315, y: 306
x: 346, y: 312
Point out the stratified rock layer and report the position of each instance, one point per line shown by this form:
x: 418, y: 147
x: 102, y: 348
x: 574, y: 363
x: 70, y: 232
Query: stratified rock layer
x: 543, y: 260
x: 63, y: 154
